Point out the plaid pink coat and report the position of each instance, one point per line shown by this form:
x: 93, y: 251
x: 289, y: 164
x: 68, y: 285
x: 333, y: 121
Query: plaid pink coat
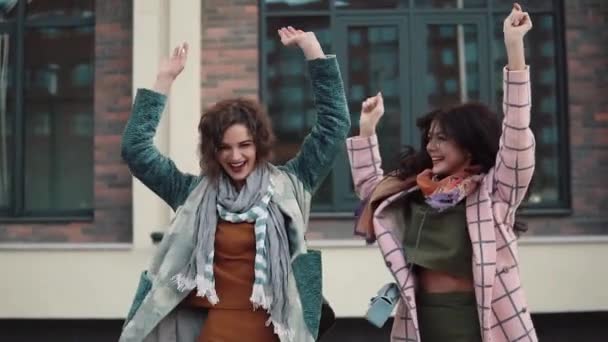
x: 502, y: 307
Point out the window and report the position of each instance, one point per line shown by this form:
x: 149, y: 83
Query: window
x: 46, y: 108
x: 422, y: 54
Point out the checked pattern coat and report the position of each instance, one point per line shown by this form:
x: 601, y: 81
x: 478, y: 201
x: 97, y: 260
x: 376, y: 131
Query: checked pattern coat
x: 490, y: 212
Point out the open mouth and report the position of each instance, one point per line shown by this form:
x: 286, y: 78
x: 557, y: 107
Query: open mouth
x: 237, y: 167
x: 436, y: 159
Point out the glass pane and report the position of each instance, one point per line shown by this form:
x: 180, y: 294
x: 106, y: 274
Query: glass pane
x: 452, y: 65
x: 450, y: 3
x: 366, y: 4
x: 7, y: 112
x: 73, y: 8
x: 289, y: 95
x: 8, y: 9
x: 282, y: 5
x: 373, y: 65
x: 526, y: 5
x: 540, y: 54
x: 59, y: 118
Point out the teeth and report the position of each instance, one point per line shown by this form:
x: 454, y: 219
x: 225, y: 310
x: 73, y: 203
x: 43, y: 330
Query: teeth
x: 237, y: 164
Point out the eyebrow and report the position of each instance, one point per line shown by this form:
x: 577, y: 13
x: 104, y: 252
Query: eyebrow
x: 238, y: 143
x: 441, y: 132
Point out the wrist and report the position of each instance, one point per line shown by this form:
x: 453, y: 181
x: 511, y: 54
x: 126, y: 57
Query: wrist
x: 312, y: 50
x: 516, y: 59
x: 163, y: 83
x: 367, y: 131
x: 514, y: 42
x: 164, y: 77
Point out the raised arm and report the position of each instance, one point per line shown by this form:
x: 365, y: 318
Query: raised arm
x: 515, y: 160
x: 146, y: 163
x: 322, y: 144
x: 363, y: 150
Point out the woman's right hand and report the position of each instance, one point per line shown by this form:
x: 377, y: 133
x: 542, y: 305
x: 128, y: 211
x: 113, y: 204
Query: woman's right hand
x: 372, y: 110
x: 170, y: 68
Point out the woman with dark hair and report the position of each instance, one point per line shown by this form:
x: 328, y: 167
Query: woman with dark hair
x: 233, y: 265
x: 444, y: 220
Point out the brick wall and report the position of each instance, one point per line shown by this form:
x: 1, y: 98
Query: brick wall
x: 587, y: 62
x: 229, y: 56
x: 112, y: 181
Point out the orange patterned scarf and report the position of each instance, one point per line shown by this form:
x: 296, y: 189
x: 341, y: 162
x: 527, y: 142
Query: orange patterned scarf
x: 439, y: 194
x: 449, y: 191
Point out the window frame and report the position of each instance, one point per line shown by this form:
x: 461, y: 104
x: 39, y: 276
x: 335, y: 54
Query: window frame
x: 17, y: 26
x: 563, y: 205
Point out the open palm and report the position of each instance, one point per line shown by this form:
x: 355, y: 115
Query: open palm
x: 173, y: 66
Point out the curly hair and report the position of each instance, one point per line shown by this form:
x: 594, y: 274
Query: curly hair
x: 473, y: 126
x: 222, y: 115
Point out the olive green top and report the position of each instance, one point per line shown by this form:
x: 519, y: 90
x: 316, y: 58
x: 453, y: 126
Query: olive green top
x: 437, y: 240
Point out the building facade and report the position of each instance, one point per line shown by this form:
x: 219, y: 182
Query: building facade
x: 75, y: 227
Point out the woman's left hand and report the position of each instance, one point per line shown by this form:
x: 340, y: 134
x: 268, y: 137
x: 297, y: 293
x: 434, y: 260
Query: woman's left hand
x: 307, y: 41
x: 516, y: 25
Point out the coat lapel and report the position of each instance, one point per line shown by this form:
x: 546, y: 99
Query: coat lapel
x: 483, y: 238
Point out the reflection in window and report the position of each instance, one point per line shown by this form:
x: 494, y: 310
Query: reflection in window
x: 58, y: 89
x: 6, y: 121
x: 452, y: 65
x: 7, y: 9
x: 450, y: 4
x: 38, y: 9
x: 526, y: 5
x: 289, y: 97
x: 282, y: 5
x: 374, y: 66
x: 366, y: 4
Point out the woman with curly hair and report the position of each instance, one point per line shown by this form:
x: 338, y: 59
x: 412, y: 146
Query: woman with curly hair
x: 233, y: 265
x: 445, y: 219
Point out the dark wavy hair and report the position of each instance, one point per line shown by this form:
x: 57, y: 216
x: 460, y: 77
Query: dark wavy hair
x: 223, y: 114
x: 474, y: 127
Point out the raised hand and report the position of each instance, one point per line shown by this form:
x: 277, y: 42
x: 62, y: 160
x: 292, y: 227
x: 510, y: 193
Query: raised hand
x: 515, y: 27
x: 169, y: 68
x: 517, y: 24
x: 306, y: 41
x: 174, y: 64
x: 372, y: 110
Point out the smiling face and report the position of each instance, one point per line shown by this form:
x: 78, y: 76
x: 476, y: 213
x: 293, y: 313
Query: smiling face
x: 237, y: 153
x: 448, y: 158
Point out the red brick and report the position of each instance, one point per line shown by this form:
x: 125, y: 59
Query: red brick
x: 229, y: 56
x: 601, y: 116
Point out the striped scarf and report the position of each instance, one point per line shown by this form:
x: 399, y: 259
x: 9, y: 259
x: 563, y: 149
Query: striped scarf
x: 252, y: 203
x: 259, y: 215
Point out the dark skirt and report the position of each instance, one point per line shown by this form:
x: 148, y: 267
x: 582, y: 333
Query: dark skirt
x: 448, y: 317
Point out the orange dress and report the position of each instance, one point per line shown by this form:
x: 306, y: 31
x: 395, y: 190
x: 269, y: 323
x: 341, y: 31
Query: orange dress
x: 233, y: 319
